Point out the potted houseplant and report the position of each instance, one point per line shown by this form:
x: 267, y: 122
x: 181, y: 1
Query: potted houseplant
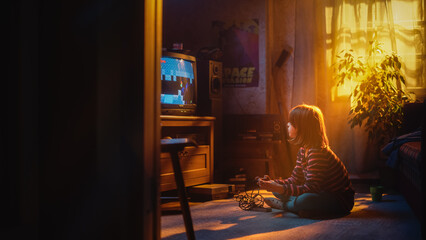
x: 378, y: 96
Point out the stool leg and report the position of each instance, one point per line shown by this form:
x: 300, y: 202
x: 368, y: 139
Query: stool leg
x: 182, y: 196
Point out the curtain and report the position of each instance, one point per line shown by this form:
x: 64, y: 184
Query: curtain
x: 313, y: 84
x: 321, y: 29
x: 397, y: 24
x: 351, y: 24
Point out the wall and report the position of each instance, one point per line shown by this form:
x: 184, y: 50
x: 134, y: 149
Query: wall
x: 73, y: 151
x: 190, y: 22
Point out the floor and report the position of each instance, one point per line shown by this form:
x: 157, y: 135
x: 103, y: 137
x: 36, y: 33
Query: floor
x: 390, y: 219
x: 223, y: 219
x: 361, y: 184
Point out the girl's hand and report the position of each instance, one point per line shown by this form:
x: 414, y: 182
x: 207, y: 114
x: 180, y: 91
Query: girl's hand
x: 270, y: 186
x: 265, y: 178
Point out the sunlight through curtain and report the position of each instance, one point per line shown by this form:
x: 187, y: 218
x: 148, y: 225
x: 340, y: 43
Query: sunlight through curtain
x: 398, y: 24
x: 351, y: 24
x: 315, y: 32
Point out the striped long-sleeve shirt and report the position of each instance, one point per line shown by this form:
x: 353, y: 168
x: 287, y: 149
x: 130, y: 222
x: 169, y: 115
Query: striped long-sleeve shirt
x: 320, y: 171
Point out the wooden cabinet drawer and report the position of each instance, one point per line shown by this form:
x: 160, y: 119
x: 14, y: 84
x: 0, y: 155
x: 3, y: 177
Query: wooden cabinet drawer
x: 195, y: 165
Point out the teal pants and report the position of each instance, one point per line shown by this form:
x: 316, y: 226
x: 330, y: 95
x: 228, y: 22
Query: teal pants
x: 314, y: 205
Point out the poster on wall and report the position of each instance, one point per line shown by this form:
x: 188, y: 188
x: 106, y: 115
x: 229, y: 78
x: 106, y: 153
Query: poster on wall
x: 239, y: 41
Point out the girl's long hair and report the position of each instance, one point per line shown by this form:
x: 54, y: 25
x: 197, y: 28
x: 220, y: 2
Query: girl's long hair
x: 309, y: 122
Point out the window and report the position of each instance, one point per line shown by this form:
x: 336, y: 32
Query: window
x: 398, y: 24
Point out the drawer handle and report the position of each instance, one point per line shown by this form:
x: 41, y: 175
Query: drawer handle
x: 183, y: 154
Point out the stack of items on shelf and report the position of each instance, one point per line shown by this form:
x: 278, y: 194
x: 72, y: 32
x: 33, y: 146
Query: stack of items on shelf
x: 254, y: 135
x: 267, y: 127
x: 239, y: 180
x: 266, y: 136
x: 248, y: 135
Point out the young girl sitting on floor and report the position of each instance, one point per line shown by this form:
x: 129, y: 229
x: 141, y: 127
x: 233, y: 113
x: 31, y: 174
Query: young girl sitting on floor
x: 319, y: 186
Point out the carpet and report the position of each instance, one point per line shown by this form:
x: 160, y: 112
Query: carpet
x: 390, y: 219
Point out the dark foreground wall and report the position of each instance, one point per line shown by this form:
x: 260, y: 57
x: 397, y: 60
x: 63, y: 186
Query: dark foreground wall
x: 72, y: 104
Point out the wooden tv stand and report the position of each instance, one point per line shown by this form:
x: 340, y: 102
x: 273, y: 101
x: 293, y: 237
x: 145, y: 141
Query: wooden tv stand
x: 196, y: 162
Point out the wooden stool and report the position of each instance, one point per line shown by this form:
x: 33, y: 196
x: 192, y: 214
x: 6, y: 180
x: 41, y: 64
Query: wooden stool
x: 174, y: 146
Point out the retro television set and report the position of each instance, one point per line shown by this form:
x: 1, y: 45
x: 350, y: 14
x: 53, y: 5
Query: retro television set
x: 178, y: 84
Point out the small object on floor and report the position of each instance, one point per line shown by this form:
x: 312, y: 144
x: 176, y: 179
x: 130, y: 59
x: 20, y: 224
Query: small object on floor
x: 376, y: 193
x: 249, y: 201
x: 208, y: 192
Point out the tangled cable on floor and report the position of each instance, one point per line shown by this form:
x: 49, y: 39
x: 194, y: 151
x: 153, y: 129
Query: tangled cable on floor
x: 248, y: 201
